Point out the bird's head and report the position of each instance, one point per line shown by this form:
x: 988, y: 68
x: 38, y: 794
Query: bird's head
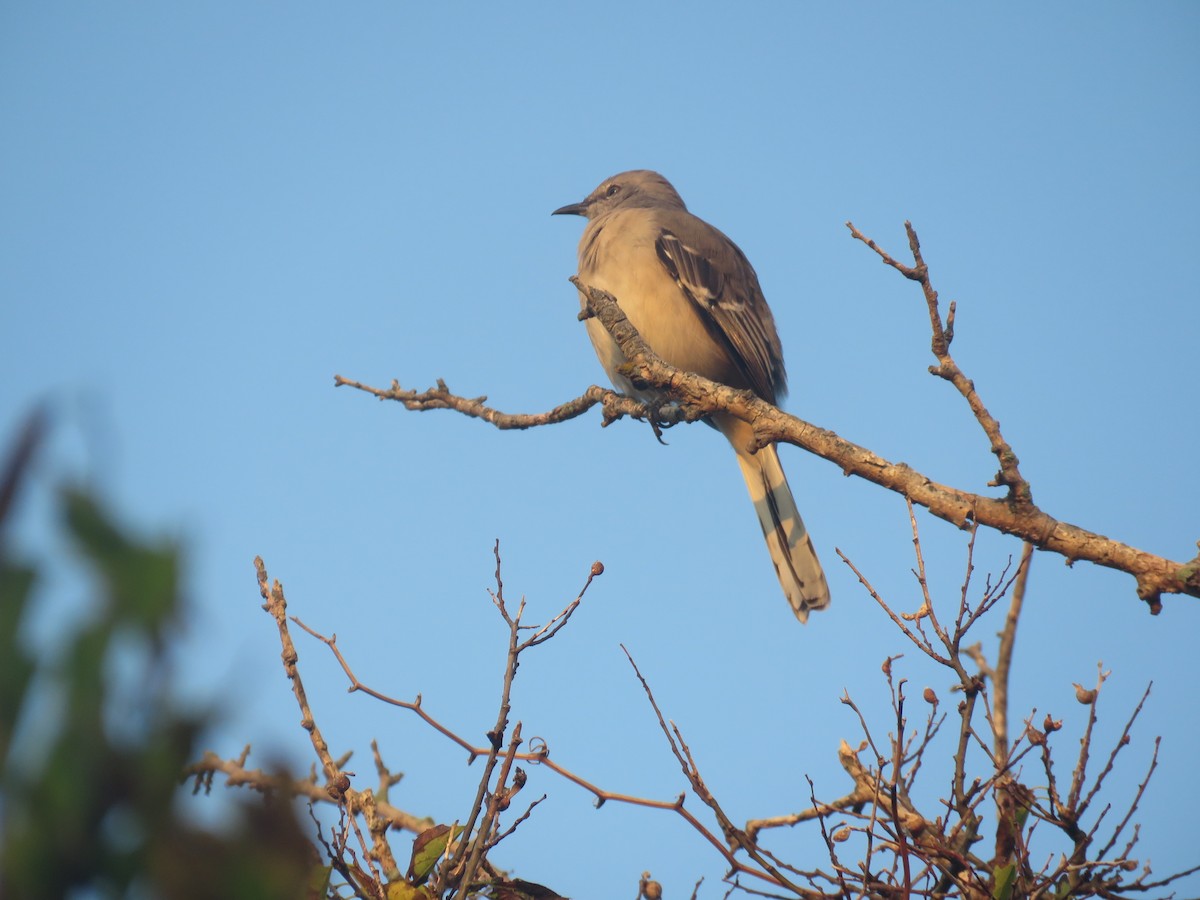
x: 640, y: 187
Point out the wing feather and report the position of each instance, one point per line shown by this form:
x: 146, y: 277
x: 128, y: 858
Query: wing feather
x: 714, y: 274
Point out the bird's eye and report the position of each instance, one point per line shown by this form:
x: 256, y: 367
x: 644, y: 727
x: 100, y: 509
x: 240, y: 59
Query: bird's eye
x: 613, y: 189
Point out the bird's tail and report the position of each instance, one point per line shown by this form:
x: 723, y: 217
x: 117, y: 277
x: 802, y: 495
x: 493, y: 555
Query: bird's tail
x: 791, y: 548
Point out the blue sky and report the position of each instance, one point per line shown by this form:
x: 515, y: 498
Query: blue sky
x: 207, y: 211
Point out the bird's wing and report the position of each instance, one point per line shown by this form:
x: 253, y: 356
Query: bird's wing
x: 714, y: 274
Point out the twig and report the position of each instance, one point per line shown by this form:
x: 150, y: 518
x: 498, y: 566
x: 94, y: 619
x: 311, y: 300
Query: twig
x: 1008, y: 639
x: 1122, y: 742
x: 614, y: 406
x: 338, y: 781
x: 1090, y: 698
x: 1009, y: 474
x: 737, y: 839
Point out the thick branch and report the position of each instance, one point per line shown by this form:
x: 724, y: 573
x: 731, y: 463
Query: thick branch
x: 1016, y: 514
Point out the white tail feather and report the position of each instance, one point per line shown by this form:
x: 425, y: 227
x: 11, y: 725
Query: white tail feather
x: 791, y: 548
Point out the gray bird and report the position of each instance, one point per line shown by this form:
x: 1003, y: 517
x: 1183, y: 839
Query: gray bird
x: 694, y: 297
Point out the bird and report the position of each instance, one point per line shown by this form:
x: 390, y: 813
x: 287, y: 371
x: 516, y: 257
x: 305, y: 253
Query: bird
x: 695, y: 299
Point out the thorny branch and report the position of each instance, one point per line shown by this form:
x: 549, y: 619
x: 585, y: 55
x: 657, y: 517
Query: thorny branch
x: 1015, y: 514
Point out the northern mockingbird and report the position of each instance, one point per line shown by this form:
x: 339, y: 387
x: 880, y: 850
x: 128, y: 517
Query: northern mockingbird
x: 694, y: 297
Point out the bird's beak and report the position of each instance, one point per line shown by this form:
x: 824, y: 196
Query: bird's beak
x: 572, y: 209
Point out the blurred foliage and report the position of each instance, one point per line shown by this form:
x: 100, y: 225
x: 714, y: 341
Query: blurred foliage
x: 91, y: 748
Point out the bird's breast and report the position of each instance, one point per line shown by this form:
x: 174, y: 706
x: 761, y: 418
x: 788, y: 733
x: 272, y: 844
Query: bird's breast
x: 617, y: 254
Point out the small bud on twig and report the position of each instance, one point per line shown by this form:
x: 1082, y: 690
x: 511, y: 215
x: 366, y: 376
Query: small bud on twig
x: 338, y: 786
x: 648, y: 889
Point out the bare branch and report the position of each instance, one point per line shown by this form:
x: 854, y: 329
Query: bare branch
x: 906, y: 851
x: 1016, y: 514
x: 1008, y: 639
x: 613, y: 406
x: 736, y: 838
x: 1019, y: 490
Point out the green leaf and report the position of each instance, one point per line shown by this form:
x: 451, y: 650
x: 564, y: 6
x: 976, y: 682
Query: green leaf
x: 93, y: 813
x: 1004, y: 877
x: 428, y: 847
x: 318, y: 880
x: 16, y: 669
x: 142, y: 579
x: 402, y: 890
x: 1022, y: 817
